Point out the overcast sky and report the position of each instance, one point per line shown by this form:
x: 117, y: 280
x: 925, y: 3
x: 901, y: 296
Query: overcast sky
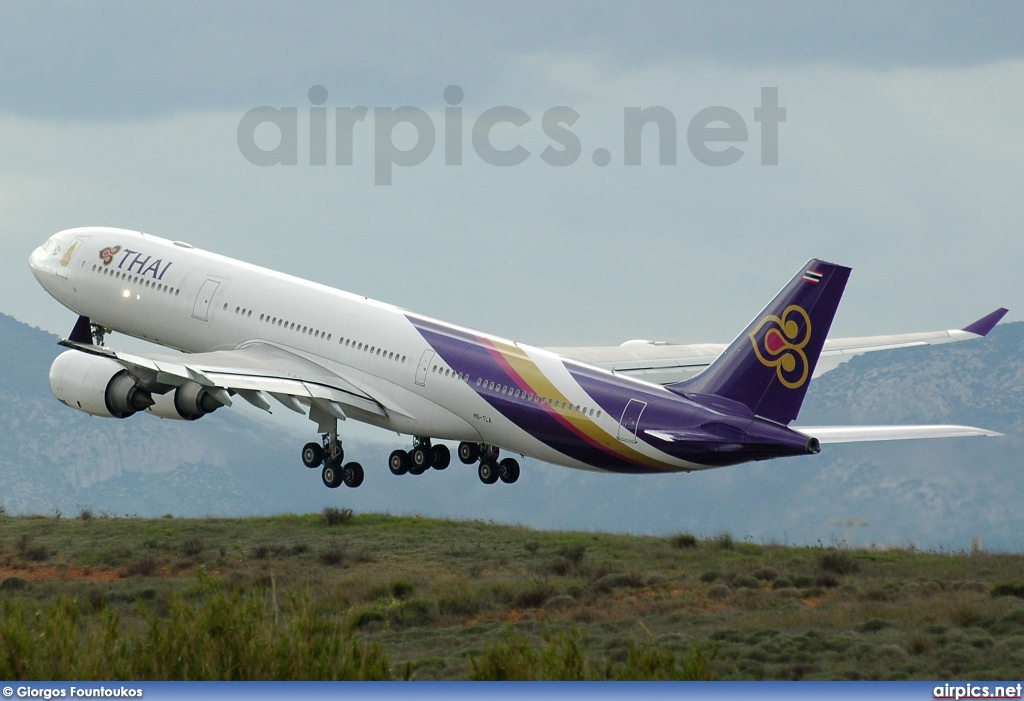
x: 901, y: 155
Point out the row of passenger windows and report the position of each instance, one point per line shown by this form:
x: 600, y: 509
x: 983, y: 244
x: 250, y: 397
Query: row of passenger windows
x: 317, y: 333
x: 136, y: 280
x: 448, y: 372
x: 516, y: 393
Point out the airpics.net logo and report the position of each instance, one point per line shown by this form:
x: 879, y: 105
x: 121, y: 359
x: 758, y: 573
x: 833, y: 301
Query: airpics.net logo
x: 714, y: 135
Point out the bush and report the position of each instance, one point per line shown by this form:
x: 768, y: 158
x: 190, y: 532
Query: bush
x: 838, y: 562
x: 27, y: 551
x: 745, y: 582
x: 874, y: 625
x: 532, y: 546
x: 724, y: 541
x: 143, y: 567
x: 826, y: 580
x: 620, y: 579
x: 1009, y: 589
x: 400, y: 589
x: 85, y: 514
x: 332, y: 556
x: 802, y: 581
x: 684, y: 540
x: 13, y: 584
x: 334, y: 516
x: 534, y: 597
x: 718, y: 591
x: 573, y: 553
x: 782, y: 583
x: 711, y: 576
x: 192, y: 546
x: 768, y: 574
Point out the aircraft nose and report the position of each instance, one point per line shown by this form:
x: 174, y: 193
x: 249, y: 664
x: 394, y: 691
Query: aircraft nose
x: 41, y: 262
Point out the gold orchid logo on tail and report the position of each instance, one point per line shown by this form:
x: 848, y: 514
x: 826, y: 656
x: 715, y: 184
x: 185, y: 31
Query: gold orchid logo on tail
x: 782, y: 345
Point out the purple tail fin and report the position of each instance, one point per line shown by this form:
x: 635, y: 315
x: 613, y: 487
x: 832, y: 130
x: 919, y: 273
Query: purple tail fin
x: 769, y: 366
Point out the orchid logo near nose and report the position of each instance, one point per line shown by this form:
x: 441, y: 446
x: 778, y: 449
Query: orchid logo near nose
x: 779, y: 343
x: 107, y: 254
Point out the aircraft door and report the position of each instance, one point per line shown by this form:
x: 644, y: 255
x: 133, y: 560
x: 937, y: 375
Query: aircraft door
x: 423, y: 367
x: 630, y: 420
x: 202, y: 307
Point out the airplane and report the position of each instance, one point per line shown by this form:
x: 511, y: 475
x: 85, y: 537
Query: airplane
x: 252, y: 333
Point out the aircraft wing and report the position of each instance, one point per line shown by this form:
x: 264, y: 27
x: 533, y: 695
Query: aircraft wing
x: 857, y: 434
x: 254, y: 372
x: 667, y: 363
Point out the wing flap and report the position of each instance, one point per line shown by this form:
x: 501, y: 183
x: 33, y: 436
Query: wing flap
x: 858, y: 434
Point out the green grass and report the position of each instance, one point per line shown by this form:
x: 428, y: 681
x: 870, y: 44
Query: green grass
x: 336, y: 595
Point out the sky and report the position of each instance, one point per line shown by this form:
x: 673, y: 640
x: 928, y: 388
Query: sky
x: 900, y: 155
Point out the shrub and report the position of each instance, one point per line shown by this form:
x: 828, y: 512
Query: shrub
x: 684, y: 540
x: 1009, y: 589
x: 767, y: 574
x: 535, y: 597
x: 573, y: 553
x: 724, y: 540
x: 332, y: 556
x: 782, y: 583
x: 192, y: 546
x: 874, y: 625
x: 560, y: 601
x: 13, y: 584
x: 261, y: 552
x: 718, y: 591
x: 838, y: 562
x: 745, y: 582
x: 802, y: 581
x: 711, y: 576
x: 532, y: 546
x: 620, y: 579
x: 143, y: 567
x: 27, y: 551
x: 400, y: 589
x: 826, y: 580
x: 85, y: 514
x: 333, y: 516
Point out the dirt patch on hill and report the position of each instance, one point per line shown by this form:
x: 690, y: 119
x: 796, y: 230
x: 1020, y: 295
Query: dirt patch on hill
x: 59, y: 573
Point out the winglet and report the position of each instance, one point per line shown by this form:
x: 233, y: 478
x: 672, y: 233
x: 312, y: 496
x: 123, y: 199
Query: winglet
x: 986, y: 323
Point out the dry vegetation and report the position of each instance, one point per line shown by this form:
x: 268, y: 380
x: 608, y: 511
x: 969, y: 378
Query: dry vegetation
x: 338, y: 595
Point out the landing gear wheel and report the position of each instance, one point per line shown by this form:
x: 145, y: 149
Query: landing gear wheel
x: 421, y: 459
x: 398, y: 462
x: 469, y: 453
x: 352, y: 475
x: 488, y: 472
x: 331, y: 476
x: 312, y: 455
x: 442, y: 457
x: 508, y: 470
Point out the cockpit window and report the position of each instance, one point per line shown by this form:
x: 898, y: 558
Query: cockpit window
x: 48, y: 246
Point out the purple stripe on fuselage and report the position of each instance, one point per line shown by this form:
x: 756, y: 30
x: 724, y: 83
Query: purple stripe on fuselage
x: 470, y: 355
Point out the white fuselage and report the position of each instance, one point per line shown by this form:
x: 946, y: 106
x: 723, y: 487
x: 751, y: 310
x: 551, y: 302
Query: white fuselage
x: 181, y: 297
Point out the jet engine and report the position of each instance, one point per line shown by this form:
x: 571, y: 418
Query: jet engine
x: 188, y: 402
x: 96, y: 385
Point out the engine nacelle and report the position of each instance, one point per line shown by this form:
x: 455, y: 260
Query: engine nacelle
x: 96, y: 385
x: 188, y: 402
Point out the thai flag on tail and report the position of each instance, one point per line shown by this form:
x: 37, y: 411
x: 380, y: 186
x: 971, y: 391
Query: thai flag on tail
x: 812, y: 276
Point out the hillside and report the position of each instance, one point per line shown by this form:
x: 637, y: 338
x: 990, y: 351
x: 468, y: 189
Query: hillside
x: 929, y: 493
x: 329, y: 596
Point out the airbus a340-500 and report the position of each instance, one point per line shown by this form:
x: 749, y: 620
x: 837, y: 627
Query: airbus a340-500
x: 259, y: 335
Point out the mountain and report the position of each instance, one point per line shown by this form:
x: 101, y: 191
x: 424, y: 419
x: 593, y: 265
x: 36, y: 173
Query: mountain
x: 932, y: 494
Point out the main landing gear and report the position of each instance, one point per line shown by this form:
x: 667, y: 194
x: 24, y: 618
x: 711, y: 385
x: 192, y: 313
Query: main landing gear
x: 330, y: 455
x: 421, y: 458
x: 490, y: 469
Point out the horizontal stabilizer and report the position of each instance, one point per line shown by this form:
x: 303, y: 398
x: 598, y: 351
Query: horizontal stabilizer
x: 857, y: 434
